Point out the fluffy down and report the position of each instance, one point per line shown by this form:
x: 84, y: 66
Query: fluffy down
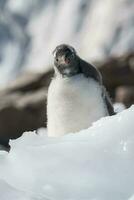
x: 73, y: 104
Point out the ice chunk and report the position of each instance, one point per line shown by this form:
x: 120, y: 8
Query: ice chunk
x: 96, y: 163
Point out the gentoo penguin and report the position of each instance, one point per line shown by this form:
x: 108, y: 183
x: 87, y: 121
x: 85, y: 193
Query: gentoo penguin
x: 76, y: 95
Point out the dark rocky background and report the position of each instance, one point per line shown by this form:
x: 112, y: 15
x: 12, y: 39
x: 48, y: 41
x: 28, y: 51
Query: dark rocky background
x: 102, y: 31
x: 23, y: 103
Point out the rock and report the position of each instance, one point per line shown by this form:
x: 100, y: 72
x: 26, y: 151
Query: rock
x: 23, y: 106
x: 125, y: 95
x: 30, y: 81
x: 117, y: 71
x: 19, y: 113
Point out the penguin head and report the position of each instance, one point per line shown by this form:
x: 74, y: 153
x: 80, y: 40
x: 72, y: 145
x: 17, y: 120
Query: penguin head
x: 66, y: 60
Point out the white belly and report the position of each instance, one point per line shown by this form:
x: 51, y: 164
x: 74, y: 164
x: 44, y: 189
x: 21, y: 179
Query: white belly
x: 73, y: 104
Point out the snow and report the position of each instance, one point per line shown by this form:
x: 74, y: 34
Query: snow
x: 31, y: 29
x: 118, y: 107
x: 94, y: 164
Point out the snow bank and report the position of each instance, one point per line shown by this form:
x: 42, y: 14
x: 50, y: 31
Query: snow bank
x: 94, y: 164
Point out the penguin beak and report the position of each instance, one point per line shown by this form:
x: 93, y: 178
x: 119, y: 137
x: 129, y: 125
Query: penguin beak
x: 62, y: 60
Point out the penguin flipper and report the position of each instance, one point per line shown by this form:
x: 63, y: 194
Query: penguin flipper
x: 108, y: 102
x: 90, y: 71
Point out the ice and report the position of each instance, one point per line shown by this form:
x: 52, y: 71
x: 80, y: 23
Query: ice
x: 94, y: 164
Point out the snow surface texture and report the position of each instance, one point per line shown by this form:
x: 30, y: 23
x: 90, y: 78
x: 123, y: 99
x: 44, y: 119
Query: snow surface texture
x: 94, y: 164
x: 30, y: 30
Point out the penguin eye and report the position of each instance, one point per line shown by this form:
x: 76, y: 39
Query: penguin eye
x: 56, y: 59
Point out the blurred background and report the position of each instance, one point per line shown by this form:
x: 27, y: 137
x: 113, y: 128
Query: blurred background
x: 102, y: 31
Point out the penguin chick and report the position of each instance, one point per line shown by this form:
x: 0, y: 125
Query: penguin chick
x: 76, y: 96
